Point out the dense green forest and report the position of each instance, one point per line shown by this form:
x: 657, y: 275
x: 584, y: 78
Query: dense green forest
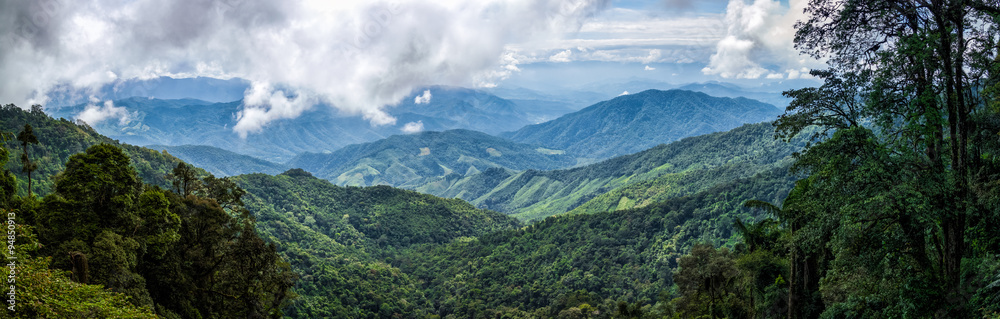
x: 875, y: 195
x: 635, y: 122
x: 60, y: 139
x: 101, y: 242
x: 676, y: 169
x: 411, y: 160
x: 337, y: 239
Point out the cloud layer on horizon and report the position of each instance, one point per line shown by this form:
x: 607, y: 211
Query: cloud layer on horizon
x: 360, y: 57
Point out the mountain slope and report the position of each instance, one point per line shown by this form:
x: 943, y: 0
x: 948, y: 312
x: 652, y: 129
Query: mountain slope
x: 409, y: 160
x: 336, y: 238
x: 631, y: 123
x: 687, y: 166
x: 221, y: 162
x: 60, y: 139
x: 585, y: 261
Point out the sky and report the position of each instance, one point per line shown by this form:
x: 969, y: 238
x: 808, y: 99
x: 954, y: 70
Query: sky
x: 363, y: 57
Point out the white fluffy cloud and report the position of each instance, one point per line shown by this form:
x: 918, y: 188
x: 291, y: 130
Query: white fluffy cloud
x: 759, y: 40
x: 358, y: 56
x: 95, y: 114
x: 424, y: 98
x: 649, y: 68
x: 413, y: 127
x: 561, y: 56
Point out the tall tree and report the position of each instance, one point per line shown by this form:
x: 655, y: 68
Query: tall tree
x: 27, y: 136
x: 184, y: 179
x: 903, y: 93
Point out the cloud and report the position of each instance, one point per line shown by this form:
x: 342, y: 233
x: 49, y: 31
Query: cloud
x: 423, y: 99
x: 94, y: 114
x: 413, y: 127
x: 624, y: 93
x: 649, y: 68
x: 561, y: 56
x: 360, y: 57
x: 759, y: 40
x: 263, y: 104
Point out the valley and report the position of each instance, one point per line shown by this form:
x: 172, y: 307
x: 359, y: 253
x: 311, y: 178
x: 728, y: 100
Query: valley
x: 564, y: 159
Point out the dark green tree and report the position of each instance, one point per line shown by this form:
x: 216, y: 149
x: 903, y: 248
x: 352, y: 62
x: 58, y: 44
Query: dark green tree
x: 895, y: 190
x: 102, y: 210
x: 184, y: 179
x: 706, y: 280
x: 8, y: 184
x: 27, y: 136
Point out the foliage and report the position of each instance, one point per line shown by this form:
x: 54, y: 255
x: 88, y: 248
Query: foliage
x: 336, y: 237
x: 611, y: 257
x: 59, y: 139
x: 147, y: 247
x: 681, y: 168
x: 890, y: 221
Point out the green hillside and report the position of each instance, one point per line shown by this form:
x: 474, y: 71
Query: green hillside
x: 635, y: 122
x: 676, y: 169
x: 410, y: 160
x: 221, y: 162
x: 591, y: 261
x: 336, y: 238
x: 59, y: 139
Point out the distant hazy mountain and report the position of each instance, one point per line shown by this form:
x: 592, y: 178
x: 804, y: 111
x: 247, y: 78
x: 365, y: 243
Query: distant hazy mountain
x: 462, y: 108
x: 635, y: 122
x: 165, y: 88
x: 197, y: 122
x: 633, y: 85
x: 731, y: 90
x: 409, y: 160
x: 573, y: 98
x: 221, y: 162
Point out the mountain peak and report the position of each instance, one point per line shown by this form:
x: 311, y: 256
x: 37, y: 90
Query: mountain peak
x: 631, y: 123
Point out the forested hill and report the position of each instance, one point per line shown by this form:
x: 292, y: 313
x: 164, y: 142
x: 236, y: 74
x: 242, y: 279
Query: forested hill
x: 675, y: 169
x: 59, y: 139
x: 336, y: 238
x: 220, y: 162
x: 635, y: 122
x: 411, y: 160
x: 592, y: 263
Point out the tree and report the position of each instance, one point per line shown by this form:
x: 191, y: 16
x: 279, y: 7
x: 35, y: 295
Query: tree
x: 905, y: 95
x: 8, y: 184
x: 705, y: 280
x: 27, y: 136
x: 101, y: 209
x: 184, y: 179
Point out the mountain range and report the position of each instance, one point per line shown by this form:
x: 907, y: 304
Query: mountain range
x: 410, y: 160
x: 676, y: 169
x: 635, y: 122
x: 150, y: 121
